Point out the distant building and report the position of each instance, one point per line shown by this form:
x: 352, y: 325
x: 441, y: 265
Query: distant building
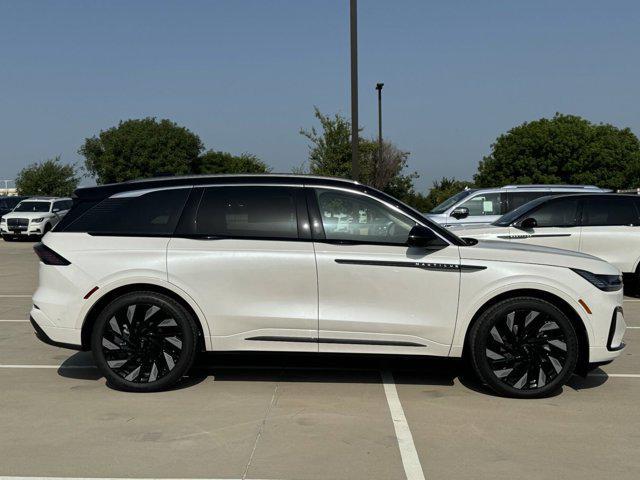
x: 8, y: 192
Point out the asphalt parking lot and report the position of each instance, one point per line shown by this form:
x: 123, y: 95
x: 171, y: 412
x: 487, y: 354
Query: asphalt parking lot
x: 300, y: 417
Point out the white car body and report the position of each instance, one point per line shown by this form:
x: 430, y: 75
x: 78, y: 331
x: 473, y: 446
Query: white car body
x: 617, y: 244
x: 40, y: 215
x: 312, y: 296
x: 486, y: 205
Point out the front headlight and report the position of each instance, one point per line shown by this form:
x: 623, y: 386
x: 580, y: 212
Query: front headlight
x: 37, y: 220
x: 607, y: 283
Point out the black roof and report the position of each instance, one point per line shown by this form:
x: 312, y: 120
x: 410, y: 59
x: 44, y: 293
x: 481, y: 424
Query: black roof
x: 104, y: 191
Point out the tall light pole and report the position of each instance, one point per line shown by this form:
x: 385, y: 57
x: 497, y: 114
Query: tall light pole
x: 379, y: 89
x: 355, y: 166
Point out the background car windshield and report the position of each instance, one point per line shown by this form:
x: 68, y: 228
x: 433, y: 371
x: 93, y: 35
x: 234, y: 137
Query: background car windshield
x: 508, y: 218
x: 444, y: 206
x: 33, y: 207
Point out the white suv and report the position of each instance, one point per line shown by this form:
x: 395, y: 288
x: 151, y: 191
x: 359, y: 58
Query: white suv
x: 147, y: 273
x: 484, y: 206
x: 34, y: 217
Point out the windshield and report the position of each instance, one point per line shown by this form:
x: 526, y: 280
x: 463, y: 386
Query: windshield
x: 33, y: 207
x: 508, y: 218
x: 444, y: 206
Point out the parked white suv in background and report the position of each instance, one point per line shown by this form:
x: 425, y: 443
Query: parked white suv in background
x: 34, y: 217
x: 486, y: 205
x: 605, y: 225
x: 147, y: 273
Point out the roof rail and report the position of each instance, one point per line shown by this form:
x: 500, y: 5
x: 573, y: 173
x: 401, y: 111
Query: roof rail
x: 586, y: 187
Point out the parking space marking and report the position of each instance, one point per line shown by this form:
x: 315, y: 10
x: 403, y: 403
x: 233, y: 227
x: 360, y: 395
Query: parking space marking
x: 15, y: 296
x: 14, y: 320
x: 408, y: 453
x: 616, y: 375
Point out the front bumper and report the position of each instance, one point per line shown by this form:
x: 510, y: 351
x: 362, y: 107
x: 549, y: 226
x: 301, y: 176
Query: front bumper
x: 615, y: 340
x: 30, y: 231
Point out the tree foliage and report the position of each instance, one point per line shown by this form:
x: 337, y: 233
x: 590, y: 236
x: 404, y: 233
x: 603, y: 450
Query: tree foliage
x: 563, y: 149
x: 141, y: 148
x: 49, y: 178
x: 330, y: 155
x: 213, y: 162
x: 443, y: 189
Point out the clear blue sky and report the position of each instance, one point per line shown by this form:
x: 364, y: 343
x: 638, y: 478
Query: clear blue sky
x: 245, y: 75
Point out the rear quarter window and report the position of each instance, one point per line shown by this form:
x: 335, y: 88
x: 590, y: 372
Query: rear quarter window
x: 150, y: 214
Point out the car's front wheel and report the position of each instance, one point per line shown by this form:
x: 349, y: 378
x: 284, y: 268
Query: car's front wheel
x: 523, y: 347
x: 144, y: 341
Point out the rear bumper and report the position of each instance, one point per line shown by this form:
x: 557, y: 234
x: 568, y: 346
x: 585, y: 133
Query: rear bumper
x: 58, y: 337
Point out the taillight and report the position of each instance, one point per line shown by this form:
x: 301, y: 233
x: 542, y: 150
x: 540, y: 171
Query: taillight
x: 48, y: 256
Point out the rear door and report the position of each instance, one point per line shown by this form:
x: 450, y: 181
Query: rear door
x: 557, y: 225
x: 611, y: 230
x: 244, y: 254
x: 376, y: 294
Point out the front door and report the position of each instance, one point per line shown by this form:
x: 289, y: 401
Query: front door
x: 376, y: 294
x: 557, y: 225
x: 611, y: 230
x: 246, y: 263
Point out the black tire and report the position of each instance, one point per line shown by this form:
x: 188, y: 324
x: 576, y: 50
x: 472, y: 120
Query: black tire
x: 144, y: 342
x: 523, y: 347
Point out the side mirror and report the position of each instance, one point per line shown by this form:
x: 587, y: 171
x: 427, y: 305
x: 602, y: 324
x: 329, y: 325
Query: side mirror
x: 460, y: 212
x: 420, y: 237
x: 528, y: 223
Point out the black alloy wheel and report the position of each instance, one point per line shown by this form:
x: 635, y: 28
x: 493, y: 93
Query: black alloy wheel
x: 524, y: 347
x: 144, y: 341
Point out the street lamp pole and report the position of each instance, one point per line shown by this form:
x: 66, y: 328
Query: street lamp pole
x: 379, y: 89
x: 355, y: 166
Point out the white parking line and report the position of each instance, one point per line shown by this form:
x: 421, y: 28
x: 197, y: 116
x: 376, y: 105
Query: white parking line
x: 15, y: 296
x: 408, y: 453
x: 616, y: 375
x: 14, y: 320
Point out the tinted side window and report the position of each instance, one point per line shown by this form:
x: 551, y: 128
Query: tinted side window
x: 557, y: 213
x: 358, y: 218
x: 484, y: 204
x: 253, y: 212
x: 609, y: 211
x: 154, y: 213
x: 517, y: 199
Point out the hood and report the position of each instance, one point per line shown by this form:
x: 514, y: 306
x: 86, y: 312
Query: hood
x: 26, y: 215
x: 522, y: 253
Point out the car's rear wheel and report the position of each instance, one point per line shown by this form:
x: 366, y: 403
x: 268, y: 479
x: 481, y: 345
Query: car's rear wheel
x: 523, y: 347
x: 144, y: 341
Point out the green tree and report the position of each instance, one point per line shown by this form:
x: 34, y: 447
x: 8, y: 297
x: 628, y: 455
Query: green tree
x: 330, y: 155
x: 443, y: 189
x: 141, y: 148
x: 223, y: 162
x: 50, y: 178
x: 563, y: 149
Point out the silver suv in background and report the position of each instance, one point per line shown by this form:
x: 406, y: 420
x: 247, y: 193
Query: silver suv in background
x: 484, y: 206
x: 34, y: 217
